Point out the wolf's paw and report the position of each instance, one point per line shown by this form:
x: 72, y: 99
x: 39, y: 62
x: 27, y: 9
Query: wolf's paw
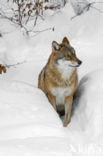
x: 66, y: 122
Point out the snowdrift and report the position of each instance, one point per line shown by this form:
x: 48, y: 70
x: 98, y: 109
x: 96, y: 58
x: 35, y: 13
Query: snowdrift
x: 89, y: 106
x: 20, y: 117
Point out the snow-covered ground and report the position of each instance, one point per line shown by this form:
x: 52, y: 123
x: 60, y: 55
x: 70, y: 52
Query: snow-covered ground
x: 29, y: 126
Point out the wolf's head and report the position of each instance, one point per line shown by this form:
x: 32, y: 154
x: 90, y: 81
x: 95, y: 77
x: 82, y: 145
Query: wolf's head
x: 65, y: 54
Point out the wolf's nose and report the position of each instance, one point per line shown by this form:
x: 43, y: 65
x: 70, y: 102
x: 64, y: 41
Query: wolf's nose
x: 79, y: 62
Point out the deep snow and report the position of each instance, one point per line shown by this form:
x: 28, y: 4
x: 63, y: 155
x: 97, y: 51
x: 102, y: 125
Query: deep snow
x: 28, y: 124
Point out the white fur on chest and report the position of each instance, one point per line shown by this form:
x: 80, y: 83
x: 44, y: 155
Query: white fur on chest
x: 61, y: 93
x: 64, y: 68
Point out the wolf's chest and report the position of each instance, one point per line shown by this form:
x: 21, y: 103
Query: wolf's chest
x: 61, y: 93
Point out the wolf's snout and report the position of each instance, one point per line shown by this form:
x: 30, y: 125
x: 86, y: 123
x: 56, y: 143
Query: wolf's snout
x: 79, y: 62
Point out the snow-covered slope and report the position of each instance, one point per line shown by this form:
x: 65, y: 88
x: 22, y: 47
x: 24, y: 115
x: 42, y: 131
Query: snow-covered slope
x: 89, y: 101
x: 28, y: 124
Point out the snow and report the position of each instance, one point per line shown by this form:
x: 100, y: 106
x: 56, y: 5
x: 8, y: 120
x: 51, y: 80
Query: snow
x: 28, y: 124
x: 79, y: 6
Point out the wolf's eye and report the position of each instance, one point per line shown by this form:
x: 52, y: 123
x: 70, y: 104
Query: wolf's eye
x: 60, y: 56
x: 68, y: 57
x: 73, y: 52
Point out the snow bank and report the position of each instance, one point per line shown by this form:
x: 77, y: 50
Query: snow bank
x: 23, y: 114
x: 89, y: 105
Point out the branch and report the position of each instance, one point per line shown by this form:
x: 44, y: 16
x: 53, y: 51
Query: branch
x: 87, y: 8
x: 14, y: 65
x: 35, y: 20
x: 2, y: 15
x: 97, y: 9
x: 38, y: 32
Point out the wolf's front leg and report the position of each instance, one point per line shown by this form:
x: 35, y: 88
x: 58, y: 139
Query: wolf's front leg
x: 68, y: 107
x: 52, y: 100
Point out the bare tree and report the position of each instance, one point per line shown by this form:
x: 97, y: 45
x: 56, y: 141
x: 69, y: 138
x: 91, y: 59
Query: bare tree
x: 21, y: 12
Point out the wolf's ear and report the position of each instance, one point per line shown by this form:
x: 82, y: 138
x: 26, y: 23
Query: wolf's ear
x: 55, y: 46
x: 65, y: 41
